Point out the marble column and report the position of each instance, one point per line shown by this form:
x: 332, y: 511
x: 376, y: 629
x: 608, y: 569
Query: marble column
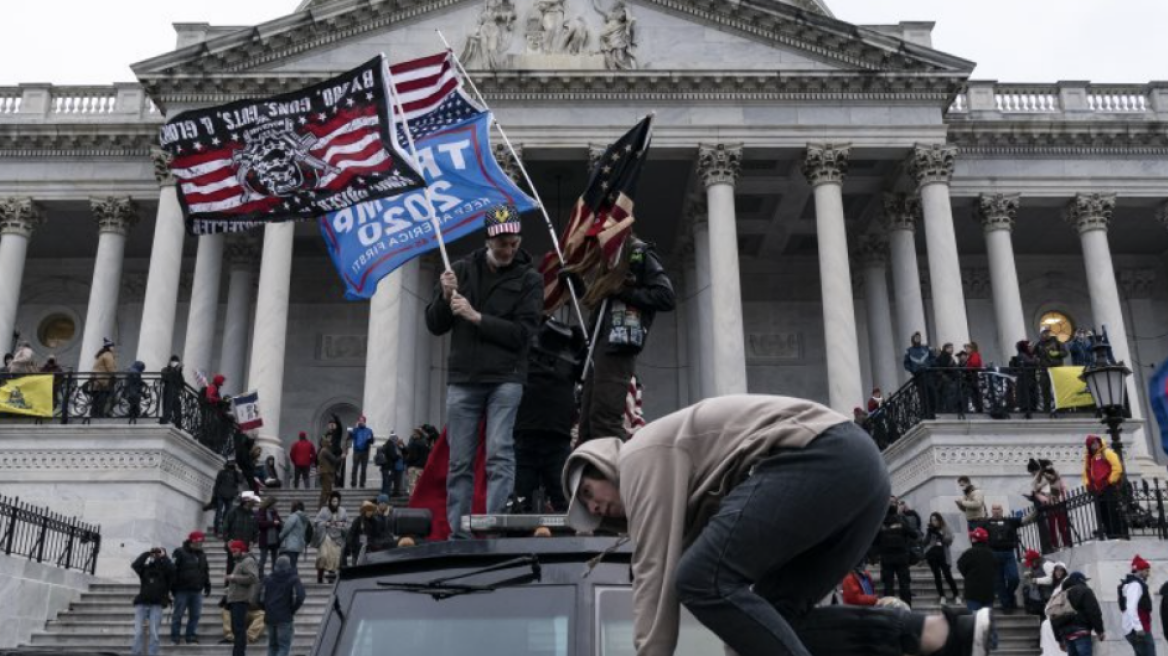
x: 997, y: 213
x: 427, y: 278
x: 115, y: 216
x: 901, y: 212
x: 692, y: 322
x: 703, y: 295
x: 825, y: 166
x: 19, y: 216
x: 156, y: 336
x: 242, y: 252
x: 270, y: 335
x: 931, y: 166
x: 204, y: 309
x: 407, y: 328
x: 384, y: 375
x: 872, y: 257
x: 1090, y: 214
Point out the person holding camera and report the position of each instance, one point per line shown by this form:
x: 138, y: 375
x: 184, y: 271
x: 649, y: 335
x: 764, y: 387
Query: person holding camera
x: 155, y: 575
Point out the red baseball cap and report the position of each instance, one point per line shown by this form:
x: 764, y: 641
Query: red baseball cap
x: 196, y: 536
x: 237, y: 545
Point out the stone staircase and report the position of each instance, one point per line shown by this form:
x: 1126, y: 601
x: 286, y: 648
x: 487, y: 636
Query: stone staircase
x: 102, y: 620
x: 1018, y: 634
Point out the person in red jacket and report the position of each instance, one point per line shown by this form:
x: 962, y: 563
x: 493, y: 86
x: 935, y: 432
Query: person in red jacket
x: 1102, y: 474
x: 858, y: 588
x: 303, y: 456
x: 213, y: 393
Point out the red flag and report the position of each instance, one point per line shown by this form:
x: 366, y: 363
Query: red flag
x: 430, y: 491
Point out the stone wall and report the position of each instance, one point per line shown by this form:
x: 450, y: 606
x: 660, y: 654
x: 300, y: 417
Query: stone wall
x: 31, y: 594
x: 145, y: 485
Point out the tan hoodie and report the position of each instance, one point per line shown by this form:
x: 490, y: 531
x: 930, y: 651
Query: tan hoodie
x: 673, y: 476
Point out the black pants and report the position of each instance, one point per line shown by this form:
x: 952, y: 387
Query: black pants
x: 903, y: 580
x: 782, y: 540
x: 239, y: 627
x: 302, y: 472
x: 539, y: 461
x: 602, y: 406
x: 942, y: 569
x: 360, y: 467
x: 171, y: 407
x: 1108, y: 512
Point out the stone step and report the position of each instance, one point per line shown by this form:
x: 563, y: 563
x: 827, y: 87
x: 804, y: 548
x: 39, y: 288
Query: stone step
x: 214, y: 649
x: 107, y: 606
x: 210, y: 627
x: 104, y: 642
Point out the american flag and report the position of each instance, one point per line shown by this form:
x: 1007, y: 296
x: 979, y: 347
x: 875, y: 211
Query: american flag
x: 292, y: 156
x: 431, y: 95
x: 602, y: 217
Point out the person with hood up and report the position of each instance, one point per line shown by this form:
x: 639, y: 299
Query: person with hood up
x: 281, y: 596
x: 243, y: 586
x: 1054, y: 580
x: 101, y: 385
x: 893, y: 543
x: 1034, y: 594
x: 240, y: 525
x: 1025, y: 366
x: 490, y: 302
x: 328, y: 536
x: 737, y: 510
x: 417, y: 453
x: 1135, y: 602
x: 23, y: 359
x: 268, y: 525
x: 1103, y: 476
x: 303, y: 455
x: 155, y: 576
x: 133, y: 390
x: 1074, y: 614
x: 172, y: 387
x: 228, y: 484
x: 294, y: 534
x: 192, y: 577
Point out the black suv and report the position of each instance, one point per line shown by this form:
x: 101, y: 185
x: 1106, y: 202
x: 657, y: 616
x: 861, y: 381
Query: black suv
x: 504, y: 597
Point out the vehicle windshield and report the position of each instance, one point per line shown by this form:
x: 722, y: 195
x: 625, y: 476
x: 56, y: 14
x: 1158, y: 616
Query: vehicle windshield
x: 614, y: 627
x: 528, y: 621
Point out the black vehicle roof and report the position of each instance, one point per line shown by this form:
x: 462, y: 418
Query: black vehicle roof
x: 475, y: 553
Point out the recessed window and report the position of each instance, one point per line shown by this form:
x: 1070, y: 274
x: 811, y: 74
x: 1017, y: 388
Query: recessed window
x: 56, y: 331
x: 1059, y: 324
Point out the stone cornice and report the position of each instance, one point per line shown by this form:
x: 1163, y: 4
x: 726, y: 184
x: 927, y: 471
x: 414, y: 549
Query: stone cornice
x: 78, y: 140
x: 775, y: 23
x: 825, y: 163
x: 1008, y: 138
x: 997, y: 211
x: 1087, y: 212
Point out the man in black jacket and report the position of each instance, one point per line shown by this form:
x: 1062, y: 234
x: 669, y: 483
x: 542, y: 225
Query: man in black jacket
x: 155, y: 575
x: 228, y: 483
x: 241, y: 525
x: 625, y: 301
x: 1074, y: 630
x: 172, y: 387
x: 191, y: 577
x: 490, y: 303
x: 979, y: 568
x: 281, y: 596
x: 893, y: 543
x: 1003, y: 532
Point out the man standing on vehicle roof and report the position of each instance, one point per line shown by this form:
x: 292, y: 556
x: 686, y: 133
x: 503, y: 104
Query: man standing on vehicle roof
x: 738, y: 510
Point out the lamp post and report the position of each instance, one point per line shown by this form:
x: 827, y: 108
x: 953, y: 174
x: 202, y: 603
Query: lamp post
x: 1107, y: 383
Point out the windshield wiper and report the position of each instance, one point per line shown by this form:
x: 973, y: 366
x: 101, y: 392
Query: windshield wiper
x: 443, y: 588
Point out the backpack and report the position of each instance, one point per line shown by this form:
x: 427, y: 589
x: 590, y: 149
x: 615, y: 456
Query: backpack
x: 379, y: 456
x: 309, y: 533
x: 1059, y: 606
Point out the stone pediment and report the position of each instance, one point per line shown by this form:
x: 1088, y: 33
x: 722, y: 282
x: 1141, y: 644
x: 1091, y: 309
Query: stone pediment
x: 546, y: 39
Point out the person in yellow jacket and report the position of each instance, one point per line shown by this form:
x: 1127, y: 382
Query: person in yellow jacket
x: 1103, y: 476
x: 748, y: 510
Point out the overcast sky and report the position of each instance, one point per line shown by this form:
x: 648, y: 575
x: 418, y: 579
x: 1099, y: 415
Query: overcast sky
x: 90, y: 42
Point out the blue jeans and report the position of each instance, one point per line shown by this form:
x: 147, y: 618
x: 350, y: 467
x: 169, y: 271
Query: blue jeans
x: 781, y: 541
x: 222, y: 507
x: 1079, y: 646
x: 1006, y: 584
x: 183, y: 600
x: 279, y: 639
x: 142, y: 614
x: 465, y: 407
x: 1145, y: 646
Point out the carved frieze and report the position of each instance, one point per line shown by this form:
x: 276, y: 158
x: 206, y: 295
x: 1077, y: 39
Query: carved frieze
x: 997, y: 211
x: 826, y: 163
x: 487, y: 44
x: 19, y: 215
x: 1092, y: 211
x: 719, y: 163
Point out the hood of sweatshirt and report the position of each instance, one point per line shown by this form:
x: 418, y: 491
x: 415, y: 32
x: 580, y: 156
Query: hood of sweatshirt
x: 603, y: 454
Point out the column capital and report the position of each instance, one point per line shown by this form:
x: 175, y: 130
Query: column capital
x: 1087, y: 212
x: 595, y: 153
x: 901, y: 211
x: 930, y: 163
x: 997, y: 211
x: 116, y: 214
x: 871, y: 251
x: 825, y: 163
x: 719, y: 163
x: 976, y: 282
x: 162, y: 160
x: 19, y: 215
x: 242, y: 250
x: 508, y: 163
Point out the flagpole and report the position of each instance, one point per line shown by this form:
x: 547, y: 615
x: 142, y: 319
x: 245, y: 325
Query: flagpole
x: 414, y: 154
x: 522, y: 169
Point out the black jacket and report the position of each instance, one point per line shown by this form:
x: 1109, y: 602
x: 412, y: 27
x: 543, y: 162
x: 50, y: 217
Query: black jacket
x: 1087, y: 617
x: 549, y: 397
x: 241, y: 525
x: 1003, y: 532
x: 191, y: 572
x: 979, y: 568
x: 417, y: 452
x: 228, y: 483
x: 650, y: 292
x: 155, y: 576
x: 1164, y: 609
x: 894, y: 540
x: 172, y: 381
x: 281, y: 596
x: 494, y: 351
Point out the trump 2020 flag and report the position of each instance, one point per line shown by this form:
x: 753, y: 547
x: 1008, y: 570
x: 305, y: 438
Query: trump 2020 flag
x: 371, y: 240
x: 293, y: 156
x: 1158, y: 397
x: 246, y: 408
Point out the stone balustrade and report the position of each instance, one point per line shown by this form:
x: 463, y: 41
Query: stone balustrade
x: 990, y: 100
x: 40, y: 103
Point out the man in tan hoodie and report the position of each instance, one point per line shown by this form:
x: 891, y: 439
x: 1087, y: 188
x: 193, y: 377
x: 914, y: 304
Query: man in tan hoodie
x: 749, y: 510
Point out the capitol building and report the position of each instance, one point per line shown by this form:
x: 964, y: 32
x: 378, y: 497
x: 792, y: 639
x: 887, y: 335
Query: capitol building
x: 818, y: 191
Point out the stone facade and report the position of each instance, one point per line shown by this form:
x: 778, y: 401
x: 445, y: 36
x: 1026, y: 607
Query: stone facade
x: 31, y: 593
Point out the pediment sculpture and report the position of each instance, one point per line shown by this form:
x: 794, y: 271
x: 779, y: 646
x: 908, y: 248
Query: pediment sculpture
x: 551, y: 30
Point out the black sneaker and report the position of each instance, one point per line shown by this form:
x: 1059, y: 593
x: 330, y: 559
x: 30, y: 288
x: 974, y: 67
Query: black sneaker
x: 225, y: 641
x: 175, y: 642
x: 970, y: 634
x: 192, y: 640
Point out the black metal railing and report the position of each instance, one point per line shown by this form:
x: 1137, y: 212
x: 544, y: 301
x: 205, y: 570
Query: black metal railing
x: 1127, y: 510
x: 998, y: 393
x: 46, y: 537
x: 125, y: 397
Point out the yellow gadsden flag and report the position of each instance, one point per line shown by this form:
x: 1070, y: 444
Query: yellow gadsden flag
x: 1069, y: 390
x: 27, y: 395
